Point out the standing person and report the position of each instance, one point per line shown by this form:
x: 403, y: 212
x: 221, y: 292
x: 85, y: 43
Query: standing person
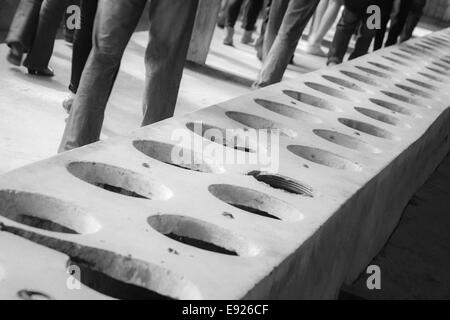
x: 287, y: 21
x: 326, y: 15
x: 82, y: 46
x: 33, y: 31
x: 404, y: 20
x: 232, y: 14
x: 355, y: 15
x: 170, y: 30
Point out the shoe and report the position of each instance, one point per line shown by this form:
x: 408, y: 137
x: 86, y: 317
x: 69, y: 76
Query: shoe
x: 228, y: 41
x: 15, y: 55
x: 314, y: 50
x: 67, y: 103
x: 247, y: 37
x: 48, y: 72
x: 332, y: 64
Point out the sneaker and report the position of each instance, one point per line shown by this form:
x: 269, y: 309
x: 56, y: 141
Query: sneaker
x: 314, y: 50
x: 247, y: 37
x: 67, y: 103
x: 228, y: 41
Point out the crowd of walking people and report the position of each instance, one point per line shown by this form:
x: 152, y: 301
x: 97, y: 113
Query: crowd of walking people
x: 106, y: 26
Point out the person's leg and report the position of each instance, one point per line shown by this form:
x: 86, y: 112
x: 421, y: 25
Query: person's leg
x: 386, y: 11
x: 346, y: 27
x: 82, y: 44
x: 50, y: 18
x: 276, y: 15
x: 398, y: 22
x: 252, y: 14
x: 413, y: 19
x: 297, y: 15
x: 260, y: 41
x: 171, y: 24
x: 232, y: 14
x: 23, y: 29
x: 363, y: 40
x: 114, y: 24
x: 317, y: 17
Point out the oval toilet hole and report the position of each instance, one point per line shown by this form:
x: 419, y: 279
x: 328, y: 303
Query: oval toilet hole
x: 177, y: 156
x: 414, y: 91
x: 259, y: 123
x: 119, y: 180
x: 380, y: 116
x: 345, y: 141
x: 202, y: 235
x: 108, y: 286
x: 288, y: 111
x: 280, y: 182
x: 366, y: 128
x: 324, y: 158
x: 423, y: 84
x: 344, y: 83
x: 383, y: 66
x: 402, y: 63
x: 255, y: 202
x: 361, y: 78
x: 403, y: 56
x: 26, y: 294
x: 329, y: 91
x: 439, y: 72
x: 311, y: 100
x: 431, y: 77
x: 45, y: 213
x: 405, y: 99
x: 235, y: 139
x: 441, y: 65
x: 395, y: 108
x: 374, y: 72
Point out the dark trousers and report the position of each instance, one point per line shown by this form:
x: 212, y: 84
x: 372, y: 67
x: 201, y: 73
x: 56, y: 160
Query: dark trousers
x: 34, y: 27
x: 82, y: 43
x: 346, y: 27
x: 287, y: 21
x: 413, y: 19
x: 251, y: 16
x: 386, y: 11
x: 400, y: 20
x: 170, y: 30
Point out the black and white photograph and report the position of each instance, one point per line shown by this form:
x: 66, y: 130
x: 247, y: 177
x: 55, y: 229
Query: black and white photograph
x: 225, y: 155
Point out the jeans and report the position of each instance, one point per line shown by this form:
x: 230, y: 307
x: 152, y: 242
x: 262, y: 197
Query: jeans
x: 34, y: 27
x: 287, y: 21
x: 82, y: 43
x: 253, y: 10
x: 346, y: 27
x: 170, y: 30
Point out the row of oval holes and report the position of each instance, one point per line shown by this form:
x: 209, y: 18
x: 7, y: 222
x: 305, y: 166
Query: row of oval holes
x: 241, y: 198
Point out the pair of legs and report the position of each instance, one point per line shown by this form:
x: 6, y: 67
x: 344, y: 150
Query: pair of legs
x: 287, y: 21
x: 404, y: 20
x: 385, y: 17
x: 170, y: 30
x: 33, y: 30
x: 251, y: 16
x: 346, y: 27
x: 323, y: 20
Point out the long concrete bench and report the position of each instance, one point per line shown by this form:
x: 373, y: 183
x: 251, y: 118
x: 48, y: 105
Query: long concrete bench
x: 156, y: 215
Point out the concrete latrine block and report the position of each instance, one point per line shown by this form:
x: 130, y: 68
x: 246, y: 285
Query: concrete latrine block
x: 129, y: 222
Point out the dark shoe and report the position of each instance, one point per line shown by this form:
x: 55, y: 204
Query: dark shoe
x: 48, y: 72
x: 15, y: 55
